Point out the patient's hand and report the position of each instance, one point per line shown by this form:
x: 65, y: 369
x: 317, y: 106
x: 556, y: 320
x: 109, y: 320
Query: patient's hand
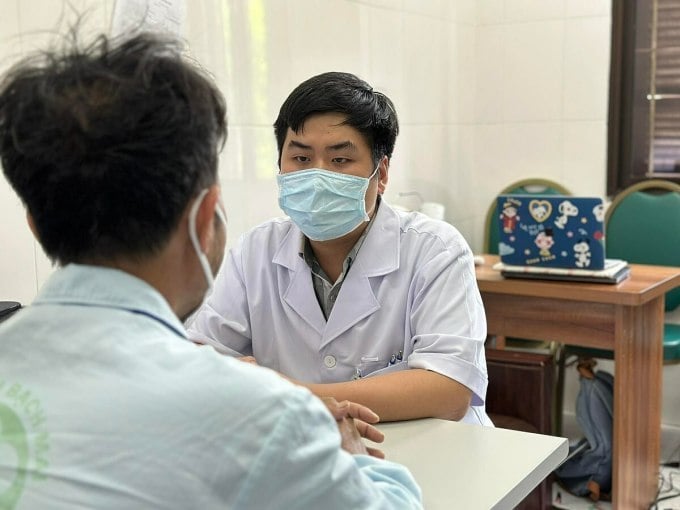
x: 355, y: 422
x: 248, y: 359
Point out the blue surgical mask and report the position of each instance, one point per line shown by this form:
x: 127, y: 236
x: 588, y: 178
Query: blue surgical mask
x: 324, y: 205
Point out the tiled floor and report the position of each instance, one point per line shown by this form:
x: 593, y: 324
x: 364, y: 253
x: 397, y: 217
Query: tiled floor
x: 669, y: 484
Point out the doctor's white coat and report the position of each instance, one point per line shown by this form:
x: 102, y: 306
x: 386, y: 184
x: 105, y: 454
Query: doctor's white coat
x: 411, y: 289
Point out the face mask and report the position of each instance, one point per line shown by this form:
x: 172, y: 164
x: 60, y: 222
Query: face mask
x: 324, y: 205
x: 202, y: 258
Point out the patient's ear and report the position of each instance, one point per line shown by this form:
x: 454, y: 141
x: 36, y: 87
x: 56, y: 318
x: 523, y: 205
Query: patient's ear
x: 31, y: 224
x: 205, y: 217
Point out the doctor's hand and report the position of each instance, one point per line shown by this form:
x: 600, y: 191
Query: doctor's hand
x: 248, y: 359
x: 355, y: 418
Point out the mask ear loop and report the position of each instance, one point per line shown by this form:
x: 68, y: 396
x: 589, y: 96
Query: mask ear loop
x: 376, y: 170
x: 202, y: 258
x: 366, y: 185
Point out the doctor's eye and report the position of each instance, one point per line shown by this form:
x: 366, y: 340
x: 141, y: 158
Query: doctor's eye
x: 302, y: 159
x: 341, y: 161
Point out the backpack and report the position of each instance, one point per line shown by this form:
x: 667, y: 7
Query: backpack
x: 587, y: 471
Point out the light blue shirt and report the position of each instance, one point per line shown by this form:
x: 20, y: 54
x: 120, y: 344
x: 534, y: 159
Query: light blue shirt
x: 104, y: 404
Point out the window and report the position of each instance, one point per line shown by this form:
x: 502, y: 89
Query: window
x: 644, y: 95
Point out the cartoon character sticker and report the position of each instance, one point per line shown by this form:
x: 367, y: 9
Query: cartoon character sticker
x: 544, y: 240
x: 540, y: 210
x: 566, y: 210
x: 510, y: 216
x: 582, y: 253
x: 598, y: 212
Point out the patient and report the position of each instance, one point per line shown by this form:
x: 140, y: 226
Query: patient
x: 104, y: 403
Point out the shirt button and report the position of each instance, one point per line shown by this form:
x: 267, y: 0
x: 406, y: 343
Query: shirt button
x: 329, y: 361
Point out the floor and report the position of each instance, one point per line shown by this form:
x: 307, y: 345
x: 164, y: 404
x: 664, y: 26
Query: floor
x: 669, y: 485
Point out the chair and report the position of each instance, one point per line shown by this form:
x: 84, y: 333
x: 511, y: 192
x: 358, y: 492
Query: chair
x: 520, y: 397
x: 532, y: 186
x: 642, y: 226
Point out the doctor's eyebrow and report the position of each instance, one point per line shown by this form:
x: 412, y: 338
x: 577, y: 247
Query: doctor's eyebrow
x: 342, y: 146
x: 299, y: 145
x: 347, y: 145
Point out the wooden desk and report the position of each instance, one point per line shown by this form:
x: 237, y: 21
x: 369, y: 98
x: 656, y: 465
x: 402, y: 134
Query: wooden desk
x: 470, y: 466
x: 626, y: 318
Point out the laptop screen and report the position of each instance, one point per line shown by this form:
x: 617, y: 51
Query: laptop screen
x: 551, y: 231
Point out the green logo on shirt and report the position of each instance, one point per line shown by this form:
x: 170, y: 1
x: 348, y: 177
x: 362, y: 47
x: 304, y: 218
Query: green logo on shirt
x: 13, y: 447
x: 24, y: 442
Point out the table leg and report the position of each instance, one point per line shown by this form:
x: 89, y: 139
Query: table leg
x: 637, y: 403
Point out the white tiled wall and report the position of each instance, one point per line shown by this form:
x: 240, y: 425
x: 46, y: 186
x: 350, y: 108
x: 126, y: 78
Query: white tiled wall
x: 488, y: 92
x: 542, y: 72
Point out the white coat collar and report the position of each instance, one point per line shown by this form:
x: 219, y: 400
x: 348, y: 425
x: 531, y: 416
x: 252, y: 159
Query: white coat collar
x: 378, y: 256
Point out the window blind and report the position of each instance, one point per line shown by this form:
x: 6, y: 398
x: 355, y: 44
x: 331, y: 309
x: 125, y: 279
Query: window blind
x: 664, y: 90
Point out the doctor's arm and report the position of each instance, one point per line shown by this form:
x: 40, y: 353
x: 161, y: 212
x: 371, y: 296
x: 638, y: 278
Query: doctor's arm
x: 451, y: 336
x: 403, y: 395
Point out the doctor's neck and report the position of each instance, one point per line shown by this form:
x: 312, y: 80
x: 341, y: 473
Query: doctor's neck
x: 331, y: 254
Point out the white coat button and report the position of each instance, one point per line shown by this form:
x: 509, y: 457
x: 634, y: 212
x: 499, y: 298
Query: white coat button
x: 329, y: 361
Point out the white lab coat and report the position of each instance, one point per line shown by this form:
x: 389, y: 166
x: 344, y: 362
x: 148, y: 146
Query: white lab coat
x: 412, y: 288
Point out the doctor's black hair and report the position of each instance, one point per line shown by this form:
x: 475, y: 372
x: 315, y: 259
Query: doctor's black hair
x: 107, y: 144
x: 369, y: 112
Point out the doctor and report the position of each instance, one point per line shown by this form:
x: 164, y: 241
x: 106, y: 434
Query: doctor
x: 347, y: 296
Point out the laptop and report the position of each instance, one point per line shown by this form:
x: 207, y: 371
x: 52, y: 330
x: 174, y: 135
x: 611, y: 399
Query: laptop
x: 551, y: 231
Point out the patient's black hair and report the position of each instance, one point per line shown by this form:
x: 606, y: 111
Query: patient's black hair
x: 107, y: 144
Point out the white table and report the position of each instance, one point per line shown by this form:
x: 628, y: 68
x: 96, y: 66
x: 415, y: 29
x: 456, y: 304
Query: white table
x: 470, y: 466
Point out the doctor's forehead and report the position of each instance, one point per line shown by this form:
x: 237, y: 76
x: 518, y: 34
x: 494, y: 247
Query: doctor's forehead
x: 328, y: 129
